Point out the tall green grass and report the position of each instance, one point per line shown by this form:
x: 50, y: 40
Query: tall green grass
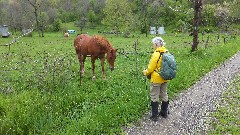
x: 41, y: 91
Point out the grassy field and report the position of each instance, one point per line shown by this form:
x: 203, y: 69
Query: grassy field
x: 40, y: 91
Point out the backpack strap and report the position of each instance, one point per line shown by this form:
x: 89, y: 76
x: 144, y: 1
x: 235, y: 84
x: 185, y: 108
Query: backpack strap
x: 161, y: 54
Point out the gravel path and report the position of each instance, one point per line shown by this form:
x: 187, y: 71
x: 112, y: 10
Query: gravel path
x: 189, y: 111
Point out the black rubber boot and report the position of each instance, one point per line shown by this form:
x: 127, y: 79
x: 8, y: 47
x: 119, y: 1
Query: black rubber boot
x: 164, y: 109
x: 154, y: 116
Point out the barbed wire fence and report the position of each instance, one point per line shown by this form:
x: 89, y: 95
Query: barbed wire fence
x: 209, y: 39
x: 136, y: 63
x: 30, y: 30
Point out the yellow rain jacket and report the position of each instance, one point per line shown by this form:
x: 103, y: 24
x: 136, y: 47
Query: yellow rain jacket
x: 155, y: 65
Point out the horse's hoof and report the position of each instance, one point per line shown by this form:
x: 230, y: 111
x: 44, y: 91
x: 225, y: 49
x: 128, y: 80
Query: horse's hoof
x: 93, y: 78
x: 104, y: 78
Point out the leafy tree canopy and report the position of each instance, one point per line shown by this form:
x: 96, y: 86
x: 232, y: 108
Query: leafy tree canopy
x: 118, y: 15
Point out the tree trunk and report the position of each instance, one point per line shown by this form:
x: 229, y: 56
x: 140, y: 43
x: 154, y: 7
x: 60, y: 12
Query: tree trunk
x: 37, y: 22
x: 42, y: 27
x: 145, y: 17
x: 146, y: 26
x: 35, y: 6
x: 197, y: 11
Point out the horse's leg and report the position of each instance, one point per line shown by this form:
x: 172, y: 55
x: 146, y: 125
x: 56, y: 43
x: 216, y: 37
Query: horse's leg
x: 93, y: 66
x: 103, y: 71
x: 80, y: 66
x: 80, y: 63
x: 83, y: 60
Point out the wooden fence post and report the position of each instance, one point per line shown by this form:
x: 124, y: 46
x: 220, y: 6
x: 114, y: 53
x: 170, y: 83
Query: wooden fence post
x: 136, y: 55
x: 206, y: 45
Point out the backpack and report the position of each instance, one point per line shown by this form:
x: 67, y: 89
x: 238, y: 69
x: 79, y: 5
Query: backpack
x: 168, y: 69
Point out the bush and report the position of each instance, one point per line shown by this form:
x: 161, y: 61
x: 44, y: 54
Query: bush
x: 208, y: 29
x: 56, y: 26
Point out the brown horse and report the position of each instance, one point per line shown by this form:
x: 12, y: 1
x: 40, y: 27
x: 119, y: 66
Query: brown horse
x: 96, y: 47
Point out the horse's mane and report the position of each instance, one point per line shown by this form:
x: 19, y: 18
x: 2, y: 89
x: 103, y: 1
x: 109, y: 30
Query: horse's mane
x: 103, y: 42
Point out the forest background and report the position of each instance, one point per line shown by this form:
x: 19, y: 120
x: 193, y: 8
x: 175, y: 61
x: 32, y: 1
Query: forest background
x: 126, y: 16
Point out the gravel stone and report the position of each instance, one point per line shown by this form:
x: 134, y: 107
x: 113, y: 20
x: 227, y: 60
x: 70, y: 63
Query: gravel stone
x: 189, y: 112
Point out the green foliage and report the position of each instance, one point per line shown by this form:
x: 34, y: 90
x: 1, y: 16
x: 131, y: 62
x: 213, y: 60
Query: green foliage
x: 121, y: 15
x: 118, y: 15
x: 208, y: 29
x: 43, y: 18
x: 67, y: 16
x: 19, y: 111
x: 234, y: 10
x: 222, y: 15
x: 40, y: 91
x: 208, y: 15
x: 234, y: 29
x: 56, y: 26
x: 91, y: 16
x: 226, y: 117
x: 176, y: 15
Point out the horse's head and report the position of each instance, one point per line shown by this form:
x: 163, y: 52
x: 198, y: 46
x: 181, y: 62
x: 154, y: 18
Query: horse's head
x: 111, y: 52
x: 111, y: 56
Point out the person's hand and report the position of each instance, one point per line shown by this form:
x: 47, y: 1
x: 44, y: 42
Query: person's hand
x: 144, y: 72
